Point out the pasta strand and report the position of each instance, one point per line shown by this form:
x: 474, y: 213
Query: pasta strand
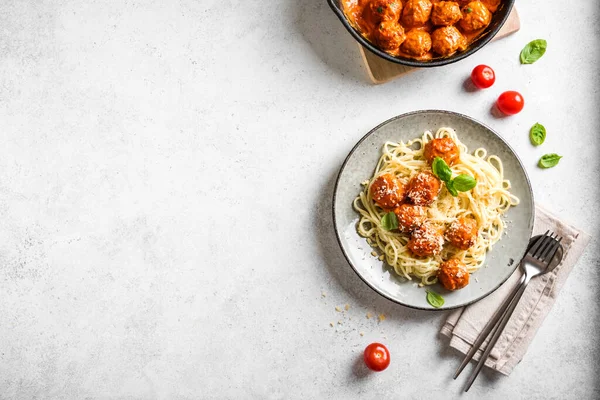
x: 487, y: 202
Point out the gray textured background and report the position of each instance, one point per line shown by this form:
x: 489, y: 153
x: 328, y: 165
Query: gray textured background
x: 166, y: 172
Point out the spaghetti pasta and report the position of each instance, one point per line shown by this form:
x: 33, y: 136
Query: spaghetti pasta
x: 486, y: 203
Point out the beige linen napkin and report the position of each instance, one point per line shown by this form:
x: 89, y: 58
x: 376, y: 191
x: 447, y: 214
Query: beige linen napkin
x: 463, y: 325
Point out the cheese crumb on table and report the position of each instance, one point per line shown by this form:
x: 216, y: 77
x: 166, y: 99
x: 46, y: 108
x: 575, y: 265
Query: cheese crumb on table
x: 381, y: 317
x: 347, y: 307
x: 368, y: 315
x: 338, y: 309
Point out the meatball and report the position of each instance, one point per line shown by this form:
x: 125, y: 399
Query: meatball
x: 386, y: 10
x: 462, y: 233
x: 491, y: 5
x: 445, y: 13
x: 389, y: 35
x: 426, y: 241
x: 453, y: 274
x: 417, y: 43
x: 476, y: 16
x: 416, y: 12
x: 387, y: 191
x: 423, y: 188
x: 445, y: 41
x: 442, y: 147
x: 410, y: 217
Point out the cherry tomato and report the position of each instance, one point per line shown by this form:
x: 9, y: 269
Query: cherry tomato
x: 510, y: 102
x: 377, y: 357
x: 483, y: 76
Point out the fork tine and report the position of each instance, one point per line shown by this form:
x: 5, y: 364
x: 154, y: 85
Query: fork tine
x: 548, y: 242
x: 535, y: 250
x: 547, y: 248
x: 549, y: 255
x: 537, y: 243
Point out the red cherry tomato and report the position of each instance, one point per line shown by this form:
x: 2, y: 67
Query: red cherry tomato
x: 483, y: 76
x: 377, y: 357
x: 510, y: 102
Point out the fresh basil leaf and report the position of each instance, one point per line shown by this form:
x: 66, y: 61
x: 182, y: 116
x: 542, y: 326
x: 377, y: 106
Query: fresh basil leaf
x: 389, y: 221
x: 533, y: 51
x: 549, y: 160
x: 451, y: 188
x: 441, y: 169
x: 435, y: 299
x: 464, y: 183
x: 537, y: 134
x: 468, y: 10
x: 380, y: 10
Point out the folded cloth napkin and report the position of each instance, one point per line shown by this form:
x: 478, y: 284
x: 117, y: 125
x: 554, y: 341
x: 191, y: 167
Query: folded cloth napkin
x: 464, y: 325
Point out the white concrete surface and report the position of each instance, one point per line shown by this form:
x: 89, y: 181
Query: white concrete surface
x: 166, y: 172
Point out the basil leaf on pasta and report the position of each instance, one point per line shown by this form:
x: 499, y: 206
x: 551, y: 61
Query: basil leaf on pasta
x: 537, y: 134
x: 549, y: 160
x: 451, y: 188
x: 389, y: 221
x: 464, y: 183
x: 435, y: 299
x: 533, y: 51
x: 441, y: 169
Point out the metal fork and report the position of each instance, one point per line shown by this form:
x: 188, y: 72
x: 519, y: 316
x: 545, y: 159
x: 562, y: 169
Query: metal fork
x: 537, y: 261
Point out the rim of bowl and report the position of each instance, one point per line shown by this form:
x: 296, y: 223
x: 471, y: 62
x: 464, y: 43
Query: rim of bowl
x: 337, y: 233
x: 414, y: 63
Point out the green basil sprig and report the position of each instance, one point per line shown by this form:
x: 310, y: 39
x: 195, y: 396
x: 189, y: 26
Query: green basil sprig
x: 537, y: 134
x: 451, y: 188
x: 462, y: 183
x: 441, y: 169
x: 549, y: 160
x: 435, y: 299
x: 533, y: 51
x: 389, y: 221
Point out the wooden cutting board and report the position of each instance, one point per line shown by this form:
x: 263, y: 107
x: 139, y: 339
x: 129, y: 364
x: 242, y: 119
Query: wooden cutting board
x: 381, y: 71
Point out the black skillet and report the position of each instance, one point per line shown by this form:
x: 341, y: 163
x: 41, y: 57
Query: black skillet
x: 498, y: 19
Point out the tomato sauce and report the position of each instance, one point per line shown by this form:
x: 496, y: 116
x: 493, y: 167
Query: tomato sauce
x: 363, y: 19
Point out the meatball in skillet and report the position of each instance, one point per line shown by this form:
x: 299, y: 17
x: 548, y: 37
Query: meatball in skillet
x: 447, y: 40
x: 475, y: 16
x: 445, y: 13
x: 389, y: 35
x: 417, y: 43
x: 416, y: 12
x: 386, y: 10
